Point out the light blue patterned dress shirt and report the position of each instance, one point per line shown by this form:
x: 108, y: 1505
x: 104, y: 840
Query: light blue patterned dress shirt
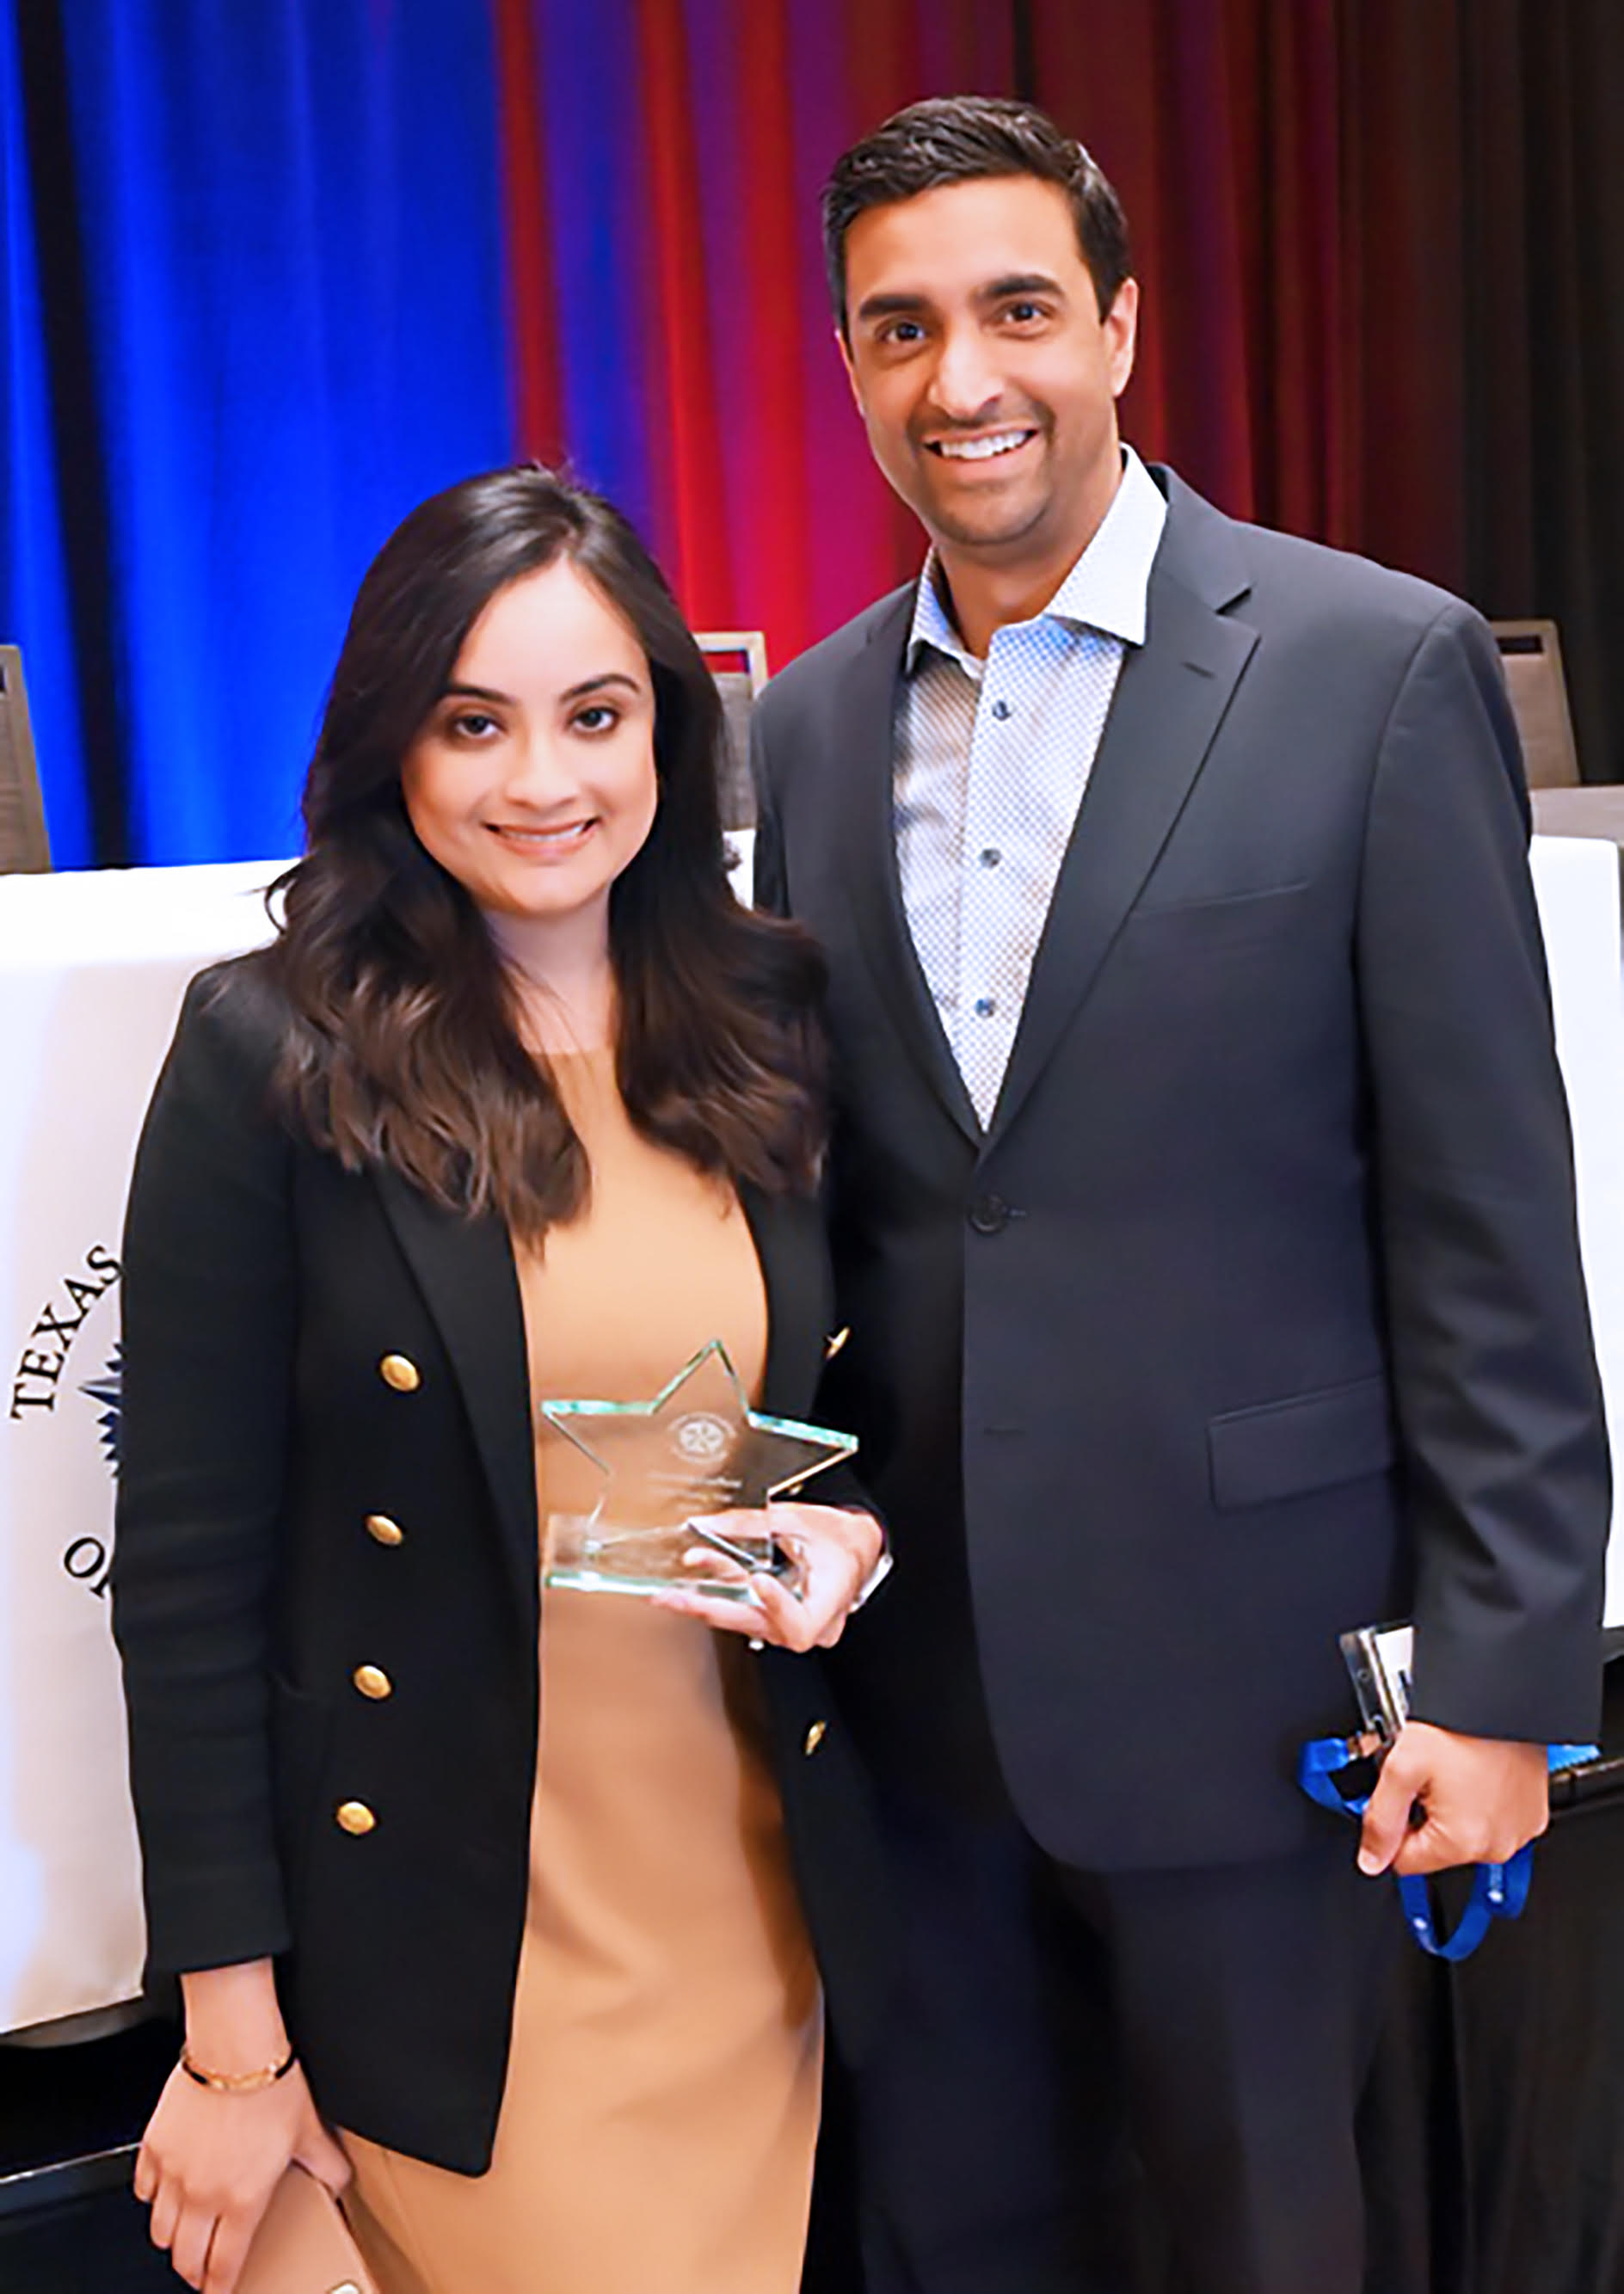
x: 991, y: 761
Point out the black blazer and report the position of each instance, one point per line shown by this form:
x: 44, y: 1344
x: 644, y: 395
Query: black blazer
x: 263, y: 1286
x: 1257, y: 1314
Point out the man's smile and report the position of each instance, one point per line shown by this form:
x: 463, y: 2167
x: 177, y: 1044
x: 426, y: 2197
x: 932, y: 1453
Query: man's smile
x: 985, y: 447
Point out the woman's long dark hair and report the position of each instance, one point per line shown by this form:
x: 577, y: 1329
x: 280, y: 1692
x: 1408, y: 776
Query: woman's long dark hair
x: 404, y: 1045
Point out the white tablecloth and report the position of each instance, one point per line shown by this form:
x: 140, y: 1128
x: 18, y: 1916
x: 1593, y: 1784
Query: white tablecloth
x: 1577, y: 882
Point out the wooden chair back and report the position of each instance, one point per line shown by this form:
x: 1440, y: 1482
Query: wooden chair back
x: 738, y: 664
x: 1530, y: 653
x: 23, y: 845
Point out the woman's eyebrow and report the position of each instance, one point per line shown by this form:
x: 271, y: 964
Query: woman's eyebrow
x: 596, y: 684
x: 457, y: 691
x: 473, y: 693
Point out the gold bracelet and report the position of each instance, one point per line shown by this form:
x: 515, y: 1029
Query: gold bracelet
x: 237, y: 2082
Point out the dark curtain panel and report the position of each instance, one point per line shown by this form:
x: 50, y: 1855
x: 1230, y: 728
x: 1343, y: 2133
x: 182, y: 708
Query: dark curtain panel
x: 1383, y: 249
x: 1485, y: 150
x: 1564, y: 426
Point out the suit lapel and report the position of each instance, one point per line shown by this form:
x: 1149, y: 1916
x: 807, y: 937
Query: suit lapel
x: 465, y: 1269
x: 860, y: 784
x: 1170, y: 701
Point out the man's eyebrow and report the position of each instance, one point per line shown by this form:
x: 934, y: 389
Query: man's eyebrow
x: 1018, y: 282
x: 891, y: 307
x: 996, y: 290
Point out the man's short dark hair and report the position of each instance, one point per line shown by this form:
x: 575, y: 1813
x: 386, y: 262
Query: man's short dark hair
x: 966, y: 138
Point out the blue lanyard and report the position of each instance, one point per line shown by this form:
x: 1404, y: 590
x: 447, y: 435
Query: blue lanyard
x: 1499, y: 1891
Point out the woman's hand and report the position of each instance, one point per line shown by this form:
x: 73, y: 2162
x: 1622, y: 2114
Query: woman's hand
x: 210, y: 2161
x: 834, y: 1552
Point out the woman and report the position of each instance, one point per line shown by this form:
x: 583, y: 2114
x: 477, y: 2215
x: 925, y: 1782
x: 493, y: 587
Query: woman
x: 520, y: 1103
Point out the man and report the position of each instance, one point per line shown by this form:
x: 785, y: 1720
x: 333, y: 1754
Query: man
x: 1203, y: 1219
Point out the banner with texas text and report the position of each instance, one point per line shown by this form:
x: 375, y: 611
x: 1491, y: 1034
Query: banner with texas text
x: 92, y: 970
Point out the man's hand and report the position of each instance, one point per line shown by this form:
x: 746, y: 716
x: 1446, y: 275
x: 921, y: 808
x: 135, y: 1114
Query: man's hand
x: 1481, y: 1798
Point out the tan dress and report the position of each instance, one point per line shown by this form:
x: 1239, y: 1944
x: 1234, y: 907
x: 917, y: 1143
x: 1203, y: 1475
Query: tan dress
x: 662, y: 2102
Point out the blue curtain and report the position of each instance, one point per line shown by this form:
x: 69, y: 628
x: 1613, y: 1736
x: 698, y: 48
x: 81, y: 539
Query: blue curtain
x: 253, y: 312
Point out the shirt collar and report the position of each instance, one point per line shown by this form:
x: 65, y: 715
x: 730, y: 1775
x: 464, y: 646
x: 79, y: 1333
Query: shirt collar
x: 1106, y: 590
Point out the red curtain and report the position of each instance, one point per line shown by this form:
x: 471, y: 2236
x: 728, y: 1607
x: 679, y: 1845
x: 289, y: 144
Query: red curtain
x: 1375, y: 238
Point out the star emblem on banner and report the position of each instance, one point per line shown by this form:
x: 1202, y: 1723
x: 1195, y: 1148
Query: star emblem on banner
x: 108, y: 1391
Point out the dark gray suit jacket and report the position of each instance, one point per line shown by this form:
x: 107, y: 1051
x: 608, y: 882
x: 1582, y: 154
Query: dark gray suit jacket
x: 1257, y: 1312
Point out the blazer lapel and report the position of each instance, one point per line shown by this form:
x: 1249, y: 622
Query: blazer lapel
x: 787, y: 1231
x: 1170, y: 701
x: 861, y: 775
x: 465, y: 1269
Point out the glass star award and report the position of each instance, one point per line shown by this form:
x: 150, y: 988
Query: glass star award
x: 626, y: 1504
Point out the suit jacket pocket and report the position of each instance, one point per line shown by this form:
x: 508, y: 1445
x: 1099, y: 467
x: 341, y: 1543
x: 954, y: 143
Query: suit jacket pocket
x: 1306, y: 1441
x: 1206, y: 923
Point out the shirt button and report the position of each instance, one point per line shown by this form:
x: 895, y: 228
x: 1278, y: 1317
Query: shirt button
x: 985, y: 1006
x: 990, y: 856
x: 1000, y: 710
